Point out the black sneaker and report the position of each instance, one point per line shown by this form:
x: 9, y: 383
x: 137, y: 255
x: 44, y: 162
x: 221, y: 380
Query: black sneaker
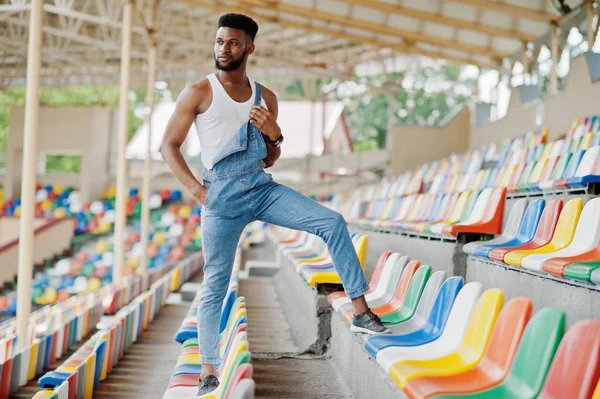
x: 368, y: 323
x: 207, y: 385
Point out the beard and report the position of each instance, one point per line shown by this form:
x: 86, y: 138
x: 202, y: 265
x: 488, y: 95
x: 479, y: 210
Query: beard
x: 232, y: 66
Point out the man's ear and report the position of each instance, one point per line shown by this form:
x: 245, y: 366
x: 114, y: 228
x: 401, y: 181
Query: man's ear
x: 250, y: 49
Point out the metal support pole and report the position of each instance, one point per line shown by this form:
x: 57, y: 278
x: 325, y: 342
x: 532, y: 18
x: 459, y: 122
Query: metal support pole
x: 120, y: 217
x: 32, y: 109
x: 554, y: 51
x: 590, y: 24
x: 148, y: 160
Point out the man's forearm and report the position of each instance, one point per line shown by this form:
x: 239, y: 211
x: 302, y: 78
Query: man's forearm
x: 173, y: 157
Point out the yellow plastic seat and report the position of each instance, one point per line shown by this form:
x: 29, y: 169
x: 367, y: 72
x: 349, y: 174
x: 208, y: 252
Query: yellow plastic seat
x: 563, y: 234
x: 467, y: 355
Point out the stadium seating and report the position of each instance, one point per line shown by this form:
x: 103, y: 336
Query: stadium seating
x: 234, y: 369
x: 81, y: 373
x: 310, y: 257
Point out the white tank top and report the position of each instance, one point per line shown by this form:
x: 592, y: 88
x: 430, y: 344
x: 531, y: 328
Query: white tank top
x: 222, y: 120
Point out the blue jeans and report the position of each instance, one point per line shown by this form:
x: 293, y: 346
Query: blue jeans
x: 239, y: 192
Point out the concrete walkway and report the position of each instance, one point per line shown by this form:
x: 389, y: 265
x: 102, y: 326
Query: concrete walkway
x: 279, y: 372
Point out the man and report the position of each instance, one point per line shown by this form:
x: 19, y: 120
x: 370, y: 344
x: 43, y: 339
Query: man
x: 236, y: 121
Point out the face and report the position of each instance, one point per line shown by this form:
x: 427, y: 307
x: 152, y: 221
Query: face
x: 232, y: 48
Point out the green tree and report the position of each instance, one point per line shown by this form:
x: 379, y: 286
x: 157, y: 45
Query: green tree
x: 423, y: 97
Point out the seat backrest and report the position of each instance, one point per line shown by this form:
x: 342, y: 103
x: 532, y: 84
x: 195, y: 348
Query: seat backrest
x: 428, y: 297
x: 381, y: 262
x: 391, y: 274
x: 243, y: 373
x: 466, y: 210
x: 360, y: 246
x: 431, y: 216
x: 516, y: 176
x: 573, y: 164
x: 588, y: 228
x: 575, y: 369
x: 461, y: 308
x: 531, y: 219
x: 416, y: 207
x: 515, y: 217
x: 567, y: 223
x: 536, y: 351
x: 536, y: 172
x: 549, y: 168
x: 450, y: 206
x: 557, y: 148
x: 407, y: 275
x: 442, y: 208
x: 479, y: 207
x: 527, y: 172
x: 505, y: 338
x: 587, y: 162
x: 443, y: 303
x: 415, y: 289
x: 559, y: 168
x: 482, y: 321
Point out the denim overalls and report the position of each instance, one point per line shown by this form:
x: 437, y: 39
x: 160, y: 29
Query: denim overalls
x: 240, y: 192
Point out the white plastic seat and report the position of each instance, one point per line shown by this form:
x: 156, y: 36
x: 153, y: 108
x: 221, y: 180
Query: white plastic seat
x: 479, y: 208
x: 511, y: 229
x: 245, y: 389
x: 454, y: 331
x: 585, y: 238
x: 385, y: 289
x: 387, y: 272
x: 425, y: 305
x: 596, y: 277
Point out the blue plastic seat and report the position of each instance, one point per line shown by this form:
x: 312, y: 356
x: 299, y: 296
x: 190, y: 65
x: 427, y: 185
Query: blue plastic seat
x: 526, y: 231
x: 434, y: 327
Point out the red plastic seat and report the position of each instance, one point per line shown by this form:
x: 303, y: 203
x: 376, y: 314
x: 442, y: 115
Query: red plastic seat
x: 543, y: 234
x: 374, y: 278
x: 575, y: 369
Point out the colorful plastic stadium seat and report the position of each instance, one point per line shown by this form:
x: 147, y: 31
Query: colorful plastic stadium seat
x: 492, y: 367
x: 510, y: 232
x: 450, y: 339
x: 412, y: 297
x: 541, y: 231
x: 491, y: 220
x: 557, y: 173
x: 563, y: 234
x: 588, y: 170
x: 472, y: 347
x: 384, y: 292
x: 444, y: 319
x: 586, y: 237
x: 424, y: 308
x: 532, y: 361
x: 399, y: 293
x: 572, y: 165
x: 580, y: 270
x: 374, y: 278
x: 434, y: 325
x: 575, y: 370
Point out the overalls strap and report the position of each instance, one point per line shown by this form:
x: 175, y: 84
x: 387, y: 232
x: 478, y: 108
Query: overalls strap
x: 257, y: 96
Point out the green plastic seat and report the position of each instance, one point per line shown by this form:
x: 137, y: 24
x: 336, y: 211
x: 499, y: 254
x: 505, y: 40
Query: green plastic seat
x: 581, y: 270
x: 412, y: 297
x: 524, y: 179
x: 532, y: 361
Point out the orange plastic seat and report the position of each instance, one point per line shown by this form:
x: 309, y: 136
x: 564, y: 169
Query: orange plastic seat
x: 494, y: 364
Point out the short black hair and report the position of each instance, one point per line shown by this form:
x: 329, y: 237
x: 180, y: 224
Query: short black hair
x: 241, y: 22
